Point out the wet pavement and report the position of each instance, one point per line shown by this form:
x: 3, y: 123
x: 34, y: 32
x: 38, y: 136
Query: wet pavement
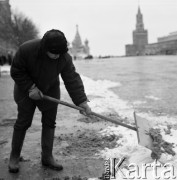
x: 76, y: 145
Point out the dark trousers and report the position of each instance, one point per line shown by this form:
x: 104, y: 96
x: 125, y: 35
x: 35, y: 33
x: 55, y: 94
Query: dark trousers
x: 26, y: 108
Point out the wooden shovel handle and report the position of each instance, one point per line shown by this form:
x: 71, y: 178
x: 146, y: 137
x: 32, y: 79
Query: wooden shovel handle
x: 92, y: 113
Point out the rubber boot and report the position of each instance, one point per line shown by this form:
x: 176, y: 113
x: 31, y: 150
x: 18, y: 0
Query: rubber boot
x: 47, y: 148
x: 17, y: 143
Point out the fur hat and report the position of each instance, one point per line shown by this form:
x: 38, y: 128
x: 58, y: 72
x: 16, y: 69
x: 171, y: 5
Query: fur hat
x: 55, y: 42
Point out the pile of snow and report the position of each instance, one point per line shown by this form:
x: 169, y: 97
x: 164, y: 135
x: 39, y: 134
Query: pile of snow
x: 106, y: 101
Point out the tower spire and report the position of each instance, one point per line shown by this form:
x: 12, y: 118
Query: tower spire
x: 77, y: 27
x: 139, y: 20
x: 139, y: 11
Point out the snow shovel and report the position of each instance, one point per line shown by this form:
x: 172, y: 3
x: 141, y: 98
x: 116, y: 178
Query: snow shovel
x: 142, y: 125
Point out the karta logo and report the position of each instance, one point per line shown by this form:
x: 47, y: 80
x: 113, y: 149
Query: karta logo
x: 117, y: 166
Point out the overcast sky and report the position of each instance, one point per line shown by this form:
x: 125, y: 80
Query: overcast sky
x: 107, y: 24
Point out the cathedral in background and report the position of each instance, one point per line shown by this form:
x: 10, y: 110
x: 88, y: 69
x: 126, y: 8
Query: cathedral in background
x: 77, y: 49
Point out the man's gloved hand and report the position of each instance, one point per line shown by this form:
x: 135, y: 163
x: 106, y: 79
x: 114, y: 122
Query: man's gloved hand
x: 35, y: 93
x: 86, y: 107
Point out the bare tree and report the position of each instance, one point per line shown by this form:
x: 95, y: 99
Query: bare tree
x: 6, y: 23
x: 23, y: 29
x: 15, y: 28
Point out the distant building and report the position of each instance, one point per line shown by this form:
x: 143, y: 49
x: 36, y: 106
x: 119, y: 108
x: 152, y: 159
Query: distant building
x: 77, y: 49
x: 5, y: 16
x: 140, y: 37
x: 5, y: 9
x: 171, y: 36
x: 164, y: 45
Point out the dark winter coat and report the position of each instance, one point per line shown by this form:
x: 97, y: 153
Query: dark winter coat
x: 31, y: 65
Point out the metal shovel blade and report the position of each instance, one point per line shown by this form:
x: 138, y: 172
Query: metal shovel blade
x: 143, y: 126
